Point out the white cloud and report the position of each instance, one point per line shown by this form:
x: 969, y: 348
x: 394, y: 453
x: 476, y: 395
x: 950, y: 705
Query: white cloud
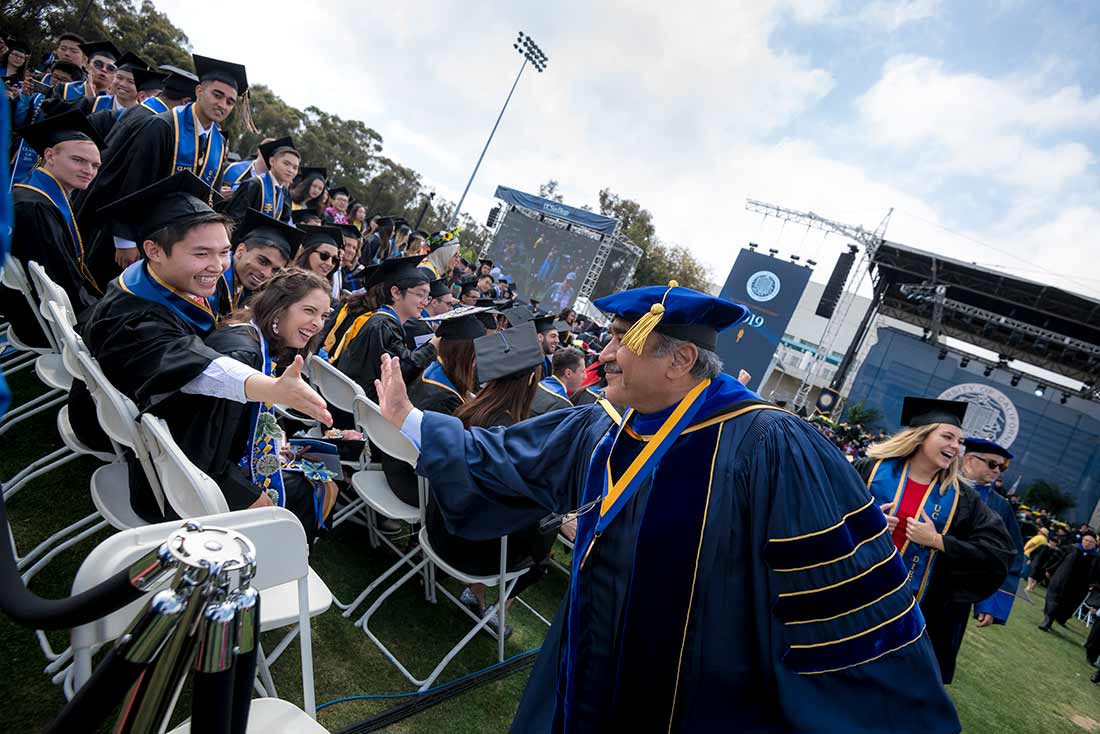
x: 1012, y: 130
x: 893, y: 14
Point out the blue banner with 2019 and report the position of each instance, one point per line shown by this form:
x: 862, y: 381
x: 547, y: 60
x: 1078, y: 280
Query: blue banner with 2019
x: 596, y: 222
x: 770, y: 288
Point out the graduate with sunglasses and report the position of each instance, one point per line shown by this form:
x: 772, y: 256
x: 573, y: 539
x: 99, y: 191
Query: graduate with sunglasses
x: 983, y: 464
x: 186, y: 138
x: 731, y: 572
x: 320, y: 253
x: 955, y: 548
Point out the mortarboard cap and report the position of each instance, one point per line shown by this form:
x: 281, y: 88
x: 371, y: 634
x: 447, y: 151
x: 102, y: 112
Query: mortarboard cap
x: 439, y: 289
x: 339, y: 190
x: 984, y: 446
x: 101, y: 48
x: 917, y: 412
x: 461, y: 323
x: 562, y: 326
x: 443, y: 238
x: 681, y: 313
x: 273, y: 147
x: 176, y: 200
x: 399, y: 270
x: 17, y: 44
x: 302, y: 216
x: 507, y: 352
x: 180, y: 82
x: 486, y: 262
x: 148, y: 80
x: 215, y: 70
x: 322, y: 234
x: 311, y: 172
x: 130, y: 61
x: 71, y: 125
x: 349, y: 230
x: 486, y: 303
x: 544, y: 323
x: 517, y: 315
x: 260, y: 229
x: 534, y: 303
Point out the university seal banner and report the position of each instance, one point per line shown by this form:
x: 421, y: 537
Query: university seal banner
x: 991, y: 414
x: 770, y: 288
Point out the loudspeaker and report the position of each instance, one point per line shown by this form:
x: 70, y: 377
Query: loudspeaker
x: 831, y: 295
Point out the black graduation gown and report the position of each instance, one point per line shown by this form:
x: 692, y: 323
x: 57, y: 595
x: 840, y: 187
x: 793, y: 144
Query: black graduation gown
x: 146, y: 351
x: 1092, y: 644
x: 414, y: 328
x: 139, y: 156
x: 546, y: 400
x: 39, y: 234
x: 361, y: 360
x: 399, y: 475
x: 123, y: 123
x: 1044, y: 559
x: 215, y: 433
x: 104, y: 121
x: 584, y: 396
x: 1070, y: 583
x: 527, y: 548
x: 978, y: 552
x: 250, y: 195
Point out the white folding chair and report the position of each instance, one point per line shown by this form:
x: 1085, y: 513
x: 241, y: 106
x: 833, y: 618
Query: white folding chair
x: 15, y: 277
x: 287, y: 586
x: 374, y: 492
x: 15, y: 355
x: 393, y: 442
x: 340, y: 391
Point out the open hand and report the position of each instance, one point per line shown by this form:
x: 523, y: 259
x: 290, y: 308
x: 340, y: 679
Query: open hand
x: 290, y: 390
x: 891, y: 519
x: 985, y: 620
x: 393, y: 398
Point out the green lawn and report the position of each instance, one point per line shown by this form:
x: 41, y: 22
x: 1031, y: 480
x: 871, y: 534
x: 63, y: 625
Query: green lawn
x: 1010, y: 679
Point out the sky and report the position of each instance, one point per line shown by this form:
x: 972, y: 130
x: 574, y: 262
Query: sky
x: 978, y: 122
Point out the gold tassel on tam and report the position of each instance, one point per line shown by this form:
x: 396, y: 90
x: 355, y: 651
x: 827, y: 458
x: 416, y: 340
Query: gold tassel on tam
x: 635, y: 337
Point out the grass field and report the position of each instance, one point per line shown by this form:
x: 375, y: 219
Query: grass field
x: 1010, y: 679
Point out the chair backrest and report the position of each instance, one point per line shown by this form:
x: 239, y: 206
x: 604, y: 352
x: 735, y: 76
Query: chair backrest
x: 282, y: 555
x: 14, y: 276
x: 48, y: 289
x: 369, y: 420
x: 335, y: 387
x: 118, y: 417
x: 189, y: 491
x: 70, y: 342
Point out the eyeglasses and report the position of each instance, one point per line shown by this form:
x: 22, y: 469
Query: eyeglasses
x: 992, y: 463
x: 326, y: 257
x: 104, y: 66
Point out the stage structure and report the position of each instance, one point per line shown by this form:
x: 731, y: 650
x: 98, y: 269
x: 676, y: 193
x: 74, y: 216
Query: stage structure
x: 559, y: 255
x: 1016, y: 319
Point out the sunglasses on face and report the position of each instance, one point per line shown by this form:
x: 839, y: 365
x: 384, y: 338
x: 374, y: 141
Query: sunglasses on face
x: 104, y: 66
x: 326, y: 257
x: 992, y: 463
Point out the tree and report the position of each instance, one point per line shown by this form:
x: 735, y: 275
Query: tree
x: 660, y: 262
x: 549, y: 190
x: 860, y: 412
x: 147, y: 32
x: 1048, y: 496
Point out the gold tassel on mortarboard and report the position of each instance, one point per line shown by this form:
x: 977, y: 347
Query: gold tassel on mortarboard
x: 635, y: 337
x: 245, y: 110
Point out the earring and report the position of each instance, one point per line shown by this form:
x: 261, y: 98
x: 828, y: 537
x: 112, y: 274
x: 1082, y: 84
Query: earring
x: 275, y: 327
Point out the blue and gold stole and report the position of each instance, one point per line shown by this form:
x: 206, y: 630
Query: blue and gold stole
x: 273, y: 195
x: 187, y: 157
x: 887, y: 483
x: 45, y: 184
x: 425, y: 264
x: 554, y: 385
x: 103, y: 102
x: 155, y: 105
x: 679, y: 459
x: 140, y: 281
x: 434, y: 375
x: 264, y: 460
x: 237, y: 173
x: 73, y: 90
x: 26, y: 157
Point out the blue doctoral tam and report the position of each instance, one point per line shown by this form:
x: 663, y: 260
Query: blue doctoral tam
x: 681, y: 313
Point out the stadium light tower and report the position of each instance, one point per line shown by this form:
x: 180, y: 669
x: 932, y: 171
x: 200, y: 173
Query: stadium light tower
x: 533, y: 55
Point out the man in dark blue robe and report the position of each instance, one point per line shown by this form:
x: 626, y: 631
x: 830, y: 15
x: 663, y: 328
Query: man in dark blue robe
x: 731, y: 571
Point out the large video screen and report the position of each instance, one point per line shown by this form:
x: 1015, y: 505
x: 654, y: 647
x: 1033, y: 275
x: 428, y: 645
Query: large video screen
x: 548, y: 262
x: 620, y: 262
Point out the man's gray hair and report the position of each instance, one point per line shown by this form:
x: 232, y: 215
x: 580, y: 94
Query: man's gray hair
x: 708, y: 365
